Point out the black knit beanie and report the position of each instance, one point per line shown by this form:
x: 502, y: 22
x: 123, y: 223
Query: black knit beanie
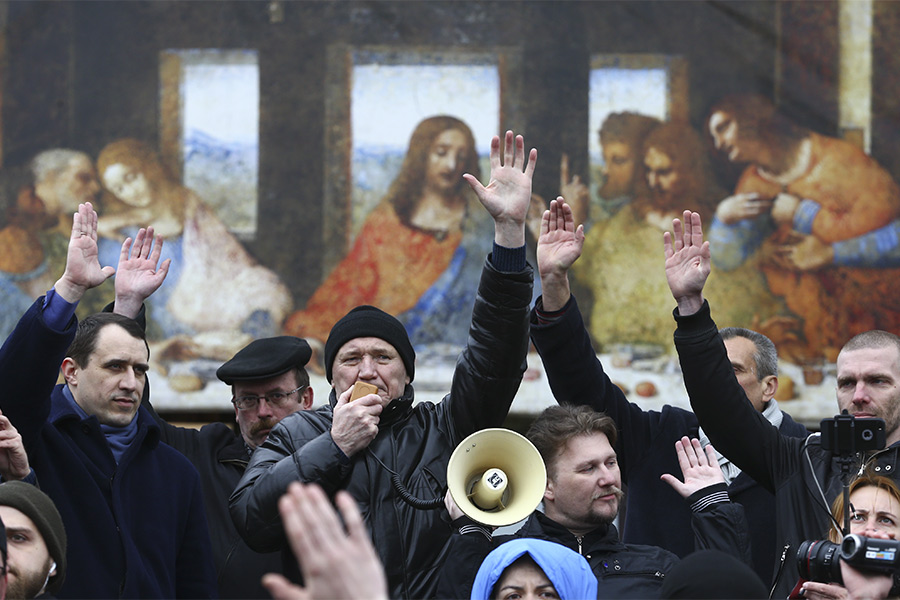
x: 368, y: 321
x: 38, y: 507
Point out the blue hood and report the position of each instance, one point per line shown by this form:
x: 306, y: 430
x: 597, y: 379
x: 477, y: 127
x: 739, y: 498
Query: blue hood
x: 568, y: 571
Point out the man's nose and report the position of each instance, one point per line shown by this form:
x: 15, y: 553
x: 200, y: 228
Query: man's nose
x: 367, y: 368
x: 860, y: 393
x: 129, y: 380
x: 605, y: 476
x: 264, y: 409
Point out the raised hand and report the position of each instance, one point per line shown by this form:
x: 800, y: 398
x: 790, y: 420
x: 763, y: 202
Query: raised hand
x: 574, y: 191
x: 699, y: 467
x: 559, y: 246
x: 687, y: 262
x: 335, y: 564
x: 139, y: 273
x: 83, y: 270
x: 508, y: 194
x: 13, y: 459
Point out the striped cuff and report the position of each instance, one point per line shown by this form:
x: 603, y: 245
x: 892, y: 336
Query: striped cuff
x: 706, y: 497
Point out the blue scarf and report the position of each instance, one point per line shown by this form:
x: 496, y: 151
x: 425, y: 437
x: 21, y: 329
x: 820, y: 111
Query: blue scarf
x: 118, y: 438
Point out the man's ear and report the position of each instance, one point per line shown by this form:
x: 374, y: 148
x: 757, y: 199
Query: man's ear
x: 548, y: 491
x: 769, y: 386
x: 306, y: 400
x: 70, y: 371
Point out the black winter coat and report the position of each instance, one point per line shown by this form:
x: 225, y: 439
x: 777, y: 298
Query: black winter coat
x: 220, y: 456
x: 790, y: 467
x: 645, y: 448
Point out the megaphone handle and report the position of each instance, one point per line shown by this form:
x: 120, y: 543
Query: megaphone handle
x: 412, y: 500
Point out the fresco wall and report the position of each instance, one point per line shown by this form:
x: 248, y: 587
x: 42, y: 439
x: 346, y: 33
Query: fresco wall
x: 274, y: 145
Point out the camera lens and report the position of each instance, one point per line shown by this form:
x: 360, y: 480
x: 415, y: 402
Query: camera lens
x: 818, y: 560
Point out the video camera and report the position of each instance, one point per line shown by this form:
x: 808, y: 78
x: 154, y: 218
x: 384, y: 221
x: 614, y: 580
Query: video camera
x: 818, y: 560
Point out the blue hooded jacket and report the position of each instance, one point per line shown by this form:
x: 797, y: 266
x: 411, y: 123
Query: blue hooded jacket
x: 568, y: 571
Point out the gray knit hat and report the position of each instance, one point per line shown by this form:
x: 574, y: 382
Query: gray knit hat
x: 38, y: 507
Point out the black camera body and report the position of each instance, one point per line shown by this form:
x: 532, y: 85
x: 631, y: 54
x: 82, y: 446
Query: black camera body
x: 819, y: 560
x: 847, y: 435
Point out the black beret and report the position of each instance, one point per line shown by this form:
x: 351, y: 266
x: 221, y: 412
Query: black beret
x: 265, y: 358
x: 368, y: 321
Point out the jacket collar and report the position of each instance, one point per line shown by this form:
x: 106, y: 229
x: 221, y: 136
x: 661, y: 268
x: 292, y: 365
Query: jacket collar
x: 62, y: 411
x: 539, y: 525
x: 236, y: 450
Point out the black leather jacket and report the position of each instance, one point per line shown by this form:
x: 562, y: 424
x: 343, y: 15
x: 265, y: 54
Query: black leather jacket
x: 622, y: 570
x: 414, y: 441
x: 793, y: 468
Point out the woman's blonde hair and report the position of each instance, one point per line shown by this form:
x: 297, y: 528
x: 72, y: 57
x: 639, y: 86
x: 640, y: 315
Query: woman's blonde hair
x: 865, y: 480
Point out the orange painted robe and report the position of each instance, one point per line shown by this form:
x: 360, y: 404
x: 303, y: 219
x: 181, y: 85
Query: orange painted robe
x: 856, y: 196
x: 389, y: 266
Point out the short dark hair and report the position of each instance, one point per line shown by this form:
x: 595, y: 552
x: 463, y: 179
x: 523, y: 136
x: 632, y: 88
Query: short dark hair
x: 875, y: 338
x: 556, y: 425
x: 765, y: 357
x: 85, y: 342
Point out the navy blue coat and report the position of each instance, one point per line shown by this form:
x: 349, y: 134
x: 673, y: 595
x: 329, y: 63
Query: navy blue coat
x: 136, y: 529
x: 655, y: 514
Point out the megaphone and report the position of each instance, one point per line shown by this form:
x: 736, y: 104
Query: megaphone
x: 496, y: 477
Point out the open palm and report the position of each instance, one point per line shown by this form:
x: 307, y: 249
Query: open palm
x: 508, y: 194
x: 139, y: 273
x: 560, y: 242
x: 687, y: 257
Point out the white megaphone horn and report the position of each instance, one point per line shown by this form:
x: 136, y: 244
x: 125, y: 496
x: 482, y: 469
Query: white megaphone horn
x: 496, y: 477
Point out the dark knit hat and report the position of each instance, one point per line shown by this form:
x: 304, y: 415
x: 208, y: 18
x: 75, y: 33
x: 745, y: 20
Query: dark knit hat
x: 265, y: 358
x: 368, y: 321
x: 38, y: 507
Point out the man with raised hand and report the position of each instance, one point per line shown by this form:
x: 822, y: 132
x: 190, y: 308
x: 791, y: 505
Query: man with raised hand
x: 804, y: 477
x: 132, y: 506
x: 655, y: 514
x: 360, y: 446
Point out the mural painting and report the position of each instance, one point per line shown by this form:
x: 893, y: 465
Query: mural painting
x: 292, y: 186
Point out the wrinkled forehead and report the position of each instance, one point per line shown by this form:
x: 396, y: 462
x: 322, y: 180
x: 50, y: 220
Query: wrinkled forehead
x: 367, y: 345
x: 883, y: 359
x: 874, y: 498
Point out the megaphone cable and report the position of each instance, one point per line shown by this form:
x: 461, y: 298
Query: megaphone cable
x: 404, y: 493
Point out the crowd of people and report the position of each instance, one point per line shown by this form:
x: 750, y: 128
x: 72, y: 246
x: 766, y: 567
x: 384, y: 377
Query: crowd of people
x: 101, y: 497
